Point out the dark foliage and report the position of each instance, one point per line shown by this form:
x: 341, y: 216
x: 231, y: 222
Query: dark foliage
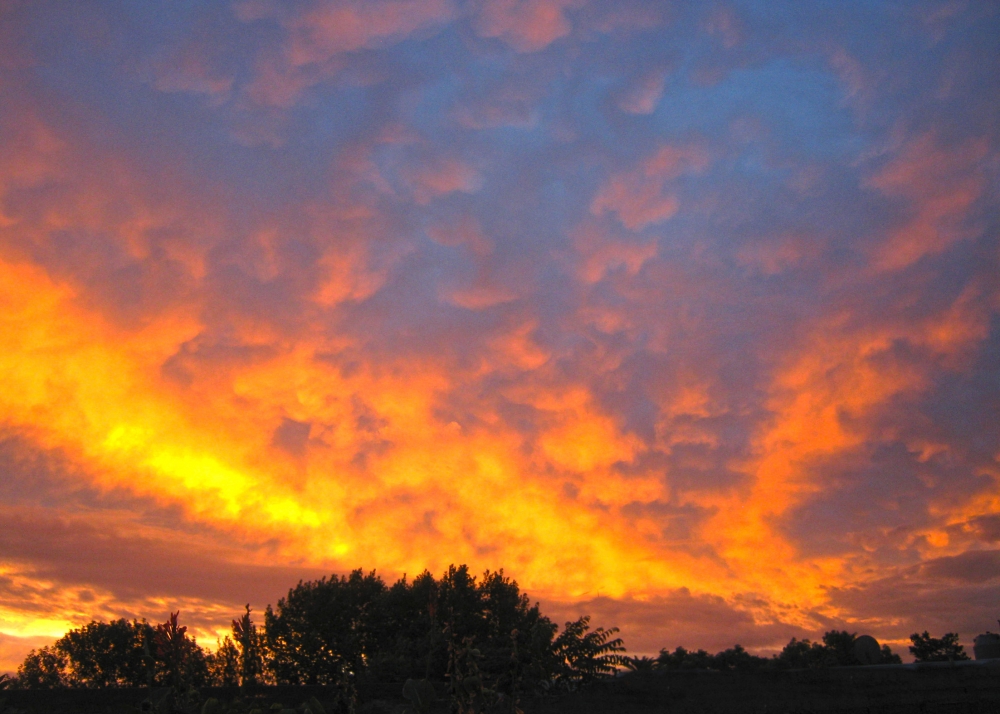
x: 933, y: 649
x: 224, y: 664
x: 179, y: 660
x: 335, y: 630
x: 250, y: 645
x: 836, y: 650
x: 584, y: 656
x: 326, y: 630
x: 890, y: 657
x: 117, y: 654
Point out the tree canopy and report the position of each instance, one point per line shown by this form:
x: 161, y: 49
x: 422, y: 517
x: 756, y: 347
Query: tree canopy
x: 340, y: 629
x: 936, y: 649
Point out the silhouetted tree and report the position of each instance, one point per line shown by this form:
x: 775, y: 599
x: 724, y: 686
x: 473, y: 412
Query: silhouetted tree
x: 99, y: 654
x: 414, y: 643
x: 803, y: 654
x: 325, y: 630
x: 251, y: 655
x: 584, y: 656
x: 932, y: 649
x: 224, y: 664
x: 737, y: 658
x: 106, y: 654
x: 334, y: 630
x: 180, y: 662
x: 44, y: 668
x: 890, y: 657
x: 840, y: 646
x: 641, y: 664
x: 681, y: 658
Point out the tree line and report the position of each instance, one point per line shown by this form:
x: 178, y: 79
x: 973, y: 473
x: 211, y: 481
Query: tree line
x: 835, y: 650
x: 482, y: 635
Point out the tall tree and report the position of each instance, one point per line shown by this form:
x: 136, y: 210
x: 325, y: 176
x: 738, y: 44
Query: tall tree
x: 251, y: 656
x: 325, y: 630
x: 180, y: 661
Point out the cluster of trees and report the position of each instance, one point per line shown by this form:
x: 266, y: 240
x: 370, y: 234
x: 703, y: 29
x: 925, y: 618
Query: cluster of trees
x: 836, y: 650
x: 936, y: 649
x: 482, y: 632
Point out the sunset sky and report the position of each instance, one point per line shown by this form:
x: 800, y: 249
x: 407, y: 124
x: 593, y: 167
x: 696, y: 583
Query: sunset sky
x: 686, y: 314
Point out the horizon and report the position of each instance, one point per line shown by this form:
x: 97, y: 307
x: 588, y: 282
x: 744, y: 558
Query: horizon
x: 685, y: 315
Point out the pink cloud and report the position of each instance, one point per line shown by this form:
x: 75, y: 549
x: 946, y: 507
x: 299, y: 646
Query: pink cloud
x: 598, y: 253
x: 640, y: 197
x: 645, y: 94
x: 431, y: 179
x: 938, y: 186
x: 317, y: 33
x: 526, y: 25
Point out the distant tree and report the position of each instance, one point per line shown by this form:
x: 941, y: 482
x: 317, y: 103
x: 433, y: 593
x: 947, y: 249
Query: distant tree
x: 641, y: 664
x: 7, y: 682
x: 803, y: 654
x: 734, y: 658
x: 932, y: 649
x: 682, y: 658
x: 737, y: 658
x: 890, y: 657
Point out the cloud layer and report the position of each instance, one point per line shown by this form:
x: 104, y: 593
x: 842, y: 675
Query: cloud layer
x: 685, y: 315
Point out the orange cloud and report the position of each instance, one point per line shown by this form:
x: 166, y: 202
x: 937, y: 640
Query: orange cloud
x: 639, y: 197
x: 939, y: 186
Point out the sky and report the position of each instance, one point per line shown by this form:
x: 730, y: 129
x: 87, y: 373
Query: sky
x: 685, y: 314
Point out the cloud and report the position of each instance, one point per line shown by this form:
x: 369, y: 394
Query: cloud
x: 681, y: 316
x: 940, y: 185
x: 643, y: 97
x: 526, y: 25
x: 639, y: 197
x: 317, y: 34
